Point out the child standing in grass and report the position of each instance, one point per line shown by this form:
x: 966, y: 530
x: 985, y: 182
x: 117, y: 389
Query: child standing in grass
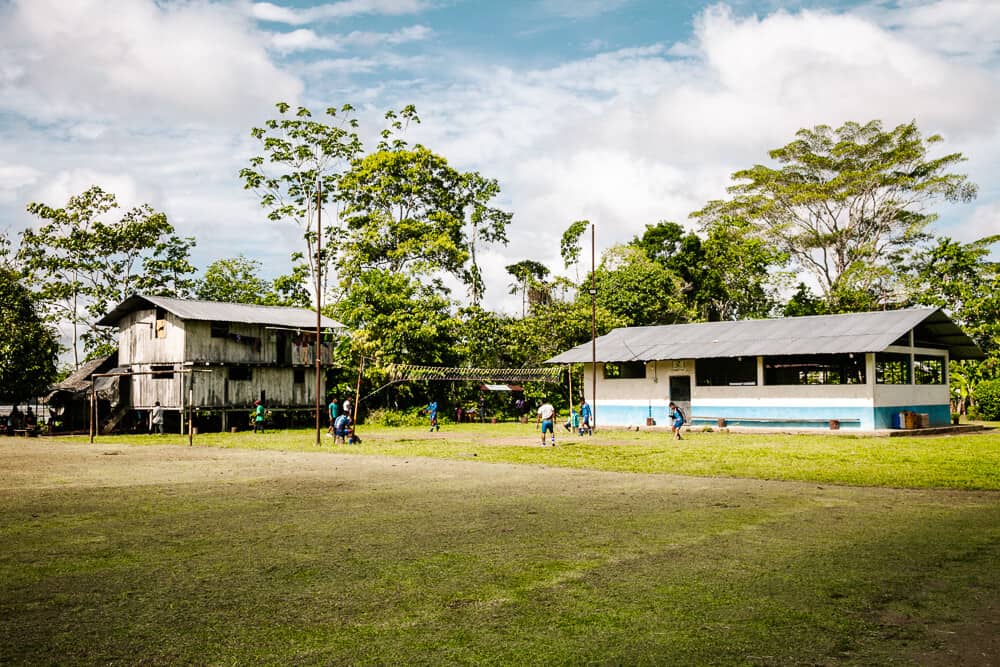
x: 587, y: 414
x: 258, y: 417
x: 546, y: 418
x: 676, y: 418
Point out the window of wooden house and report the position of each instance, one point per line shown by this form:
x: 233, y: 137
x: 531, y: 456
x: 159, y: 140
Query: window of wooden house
x: 928, y: 369
x: 240, y: 373
x: 299, y: 375
x: 626, y: 370
x: 892, y: 368
x: 801, y: 369
x: 220, y: 329
x: 726, y: 372
x: 162, y: 372
x: 160, y: 329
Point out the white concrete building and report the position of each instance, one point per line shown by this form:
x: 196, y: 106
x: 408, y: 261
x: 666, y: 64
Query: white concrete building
x: 857, y: 370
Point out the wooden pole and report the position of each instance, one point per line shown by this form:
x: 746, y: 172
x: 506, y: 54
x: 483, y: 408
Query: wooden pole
x: 569, y: 367
x: 190, y: 409
x: 93, y: 400
x: 319, y: 296
x: 357, y: 391
x: 593, y: 333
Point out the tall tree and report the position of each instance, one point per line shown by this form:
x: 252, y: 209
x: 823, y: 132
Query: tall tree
x: 844, y: 200
x: 408, y: 210
x: 528, y: 275
x: 394, y: 318
x: 638, y: 290
x: 300, y: 170
x: 81, y: 264
x: 28, y: 346
x: 233, y: 280
x: 569, y: 246
x: 238, y: 280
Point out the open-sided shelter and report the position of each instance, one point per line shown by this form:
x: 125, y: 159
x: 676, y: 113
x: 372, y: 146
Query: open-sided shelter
x: 217, y: 357
x: 857, y: 370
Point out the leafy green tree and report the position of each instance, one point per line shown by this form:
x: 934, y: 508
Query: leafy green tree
x: 28, y: 347
x: 845, y: 200
x: 740, y: 276
x: 529, y: 277
x: 408, y: 210
x: 233, y: 280
x: 300, y: 170
x: 987, y: 399
x: 394, y: 318
x: 82, y: 266
x: 803, y: 302
x: 638, y: 290
x: 569, y: 246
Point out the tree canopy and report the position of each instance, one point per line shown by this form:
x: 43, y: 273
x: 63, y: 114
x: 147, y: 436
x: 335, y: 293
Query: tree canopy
x: 81, y: 264
x: 28, y: 346
x: 843, y: 202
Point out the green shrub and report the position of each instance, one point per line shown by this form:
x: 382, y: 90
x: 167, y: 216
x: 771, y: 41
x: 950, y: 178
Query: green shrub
x: 387, y: 417
x: 987, y: 396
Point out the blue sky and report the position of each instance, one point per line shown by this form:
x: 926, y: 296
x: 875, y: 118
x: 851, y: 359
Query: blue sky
x: 624, y: 112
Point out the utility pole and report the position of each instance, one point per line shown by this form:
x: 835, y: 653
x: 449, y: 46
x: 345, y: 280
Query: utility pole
x: 593, y: 330
x: 319, y: 294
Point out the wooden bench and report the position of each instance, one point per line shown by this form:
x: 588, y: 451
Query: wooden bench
x: 722, y: 421
x: 26, y: 432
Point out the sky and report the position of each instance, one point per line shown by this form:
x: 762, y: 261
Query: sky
x: 621, y: 112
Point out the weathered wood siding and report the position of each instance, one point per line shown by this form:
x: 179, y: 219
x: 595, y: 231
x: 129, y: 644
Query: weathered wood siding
x: 138, y: 344
x: 268, y: 356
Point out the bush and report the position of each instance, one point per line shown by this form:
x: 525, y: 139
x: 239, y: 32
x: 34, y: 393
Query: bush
x: 386, y: 417
x: 987, y: 397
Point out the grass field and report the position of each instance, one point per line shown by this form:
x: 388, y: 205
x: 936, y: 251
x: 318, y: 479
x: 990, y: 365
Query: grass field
x: 476, y: 546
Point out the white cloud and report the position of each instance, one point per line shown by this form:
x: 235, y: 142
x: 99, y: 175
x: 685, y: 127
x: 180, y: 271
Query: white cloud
x: 109, y: 59
x: 630, y: 137
x: 14, y: 177
x: 265, y: 11
x: 575, y: 9
x: 305, y: 39
x: 967, y: 29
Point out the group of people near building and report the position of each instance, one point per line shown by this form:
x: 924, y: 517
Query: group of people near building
x: 17, y: 420
x: 583, y: 421
x: 341, y: 422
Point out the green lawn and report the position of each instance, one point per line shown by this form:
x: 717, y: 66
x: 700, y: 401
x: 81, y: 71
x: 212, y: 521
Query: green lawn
x: 955, y: 461
x: 475, y: 546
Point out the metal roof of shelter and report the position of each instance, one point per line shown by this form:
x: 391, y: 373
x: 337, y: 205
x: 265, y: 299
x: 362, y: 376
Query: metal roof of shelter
x: 815, y: 334
x: 217, y: 311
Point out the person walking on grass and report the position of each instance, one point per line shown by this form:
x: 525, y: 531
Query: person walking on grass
x: 334, y: 410
x: 156, y: 419
x: 587, y: 417
x: 432, y: 413
x: 258, y: 417
x: 546, y: 419
x: 676, y: 418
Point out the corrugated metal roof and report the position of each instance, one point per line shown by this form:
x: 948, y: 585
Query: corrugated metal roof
x: 818, y: 334
x: 190, y: 309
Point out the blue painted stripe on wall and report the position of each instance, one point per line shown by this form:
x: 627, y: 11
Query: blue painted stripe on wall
x: 860, y: 417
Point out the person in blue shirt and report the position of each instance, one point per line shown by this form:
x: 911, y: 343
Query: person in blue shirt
x: 334, y: 410
x: 676, y: 418
x: 341, y: 429
x: 587, y: 417
x: 432, y: 412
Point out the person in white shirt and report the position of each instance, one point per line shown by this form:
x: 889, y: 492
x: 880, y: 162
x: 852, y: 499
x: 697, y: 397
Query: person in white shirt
x: 546, y: 418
